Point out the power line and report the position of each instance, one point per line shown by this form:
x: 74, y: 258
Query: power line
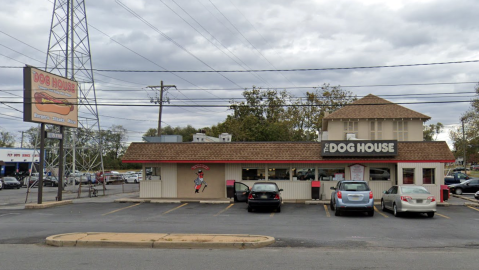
x: 229, y: 105
x: 255, y: 75
x: 264, y: 57
x: 172, y: 40
x: 284, y: 70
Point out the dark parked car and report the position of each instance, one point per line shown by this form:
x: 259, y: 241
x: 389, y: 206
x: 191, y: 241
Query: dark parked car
x: 456, y: 178
x: 11, y: 182
x: 352, y: 196
x: 468, y: 186
x: 52, y: 181
x: 459, y: 169
x: 265, y: 194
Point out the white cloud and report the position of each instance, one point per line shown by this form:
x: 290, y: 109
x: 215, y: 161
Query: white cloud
x: 247, y: 34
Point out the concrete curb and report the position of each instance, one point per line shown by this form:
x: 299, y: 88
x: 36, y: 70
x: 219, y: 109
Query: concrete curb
x: 47, y: 204
x: 160, y: 240
x: 216, y: 202
x: 465, y: 198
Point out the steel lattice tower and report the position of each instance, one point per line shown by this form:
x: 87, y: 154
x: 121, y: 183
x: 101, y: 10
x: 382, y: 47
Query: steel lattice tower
x: 69, y: 56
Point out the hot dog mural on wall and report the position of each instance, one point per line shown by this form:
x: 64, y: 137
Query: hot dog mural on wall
x: 49, y: 98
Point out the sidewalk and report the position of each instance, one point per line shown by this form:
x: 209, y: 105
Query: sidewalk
x: 159, y: 240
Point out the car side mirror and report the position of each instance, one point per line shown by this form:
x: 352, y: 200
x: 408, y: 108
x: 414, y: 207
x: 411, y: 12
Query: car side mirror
x: 280, y: 189
x: 385, y: 192
x: 332, y: 188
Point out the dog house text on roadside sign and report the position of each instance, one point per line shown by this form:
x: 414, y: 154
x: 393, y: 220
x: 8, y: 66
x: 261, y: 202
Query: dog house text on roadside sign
x: 359, y: 148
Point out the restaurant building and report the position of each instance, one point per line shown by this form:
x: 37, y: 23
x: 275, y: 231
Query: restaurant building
x: 371, y: 139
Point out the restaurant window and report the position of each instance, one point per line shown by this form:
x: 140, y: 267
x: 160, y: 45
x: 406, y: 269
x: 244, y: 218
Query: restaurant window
x: 153, y: 173
x: 408, y: 176
x: 252, y: 174
x: 278, y: 174
x: 400, y: 130
x: 335, y: 174
x: 428, y: 176
x: 350, y: 128
x: 303, y: 174
x: 376, y: 129
x: 379, y: 174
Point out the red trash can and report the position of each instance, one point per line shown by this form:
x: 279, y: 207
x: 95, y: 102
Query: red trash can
x: 316, y: 190
x: 445, y: 193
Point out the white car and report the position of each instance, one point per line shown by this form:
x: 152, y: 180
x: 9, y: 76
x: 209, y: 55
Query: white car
x: 133, y: 178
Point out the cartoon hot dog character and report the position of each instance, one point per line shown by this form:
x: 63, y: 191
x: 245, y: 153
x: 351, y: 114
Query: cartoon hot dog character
x: 46, y: 103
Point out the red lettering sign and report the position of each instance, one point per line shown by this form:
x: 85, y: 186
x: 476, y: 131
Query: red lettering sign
x: 203, y: 166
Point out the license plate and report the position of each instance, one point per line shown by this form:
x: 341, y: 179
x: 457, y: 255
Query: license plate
x: 419, y: 201
x: 355, y: 198
x: 264, y: 197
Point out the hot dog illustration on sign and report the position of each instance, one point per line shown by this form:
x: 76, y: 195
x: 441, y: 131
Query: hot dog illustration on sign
x: 46, y: 103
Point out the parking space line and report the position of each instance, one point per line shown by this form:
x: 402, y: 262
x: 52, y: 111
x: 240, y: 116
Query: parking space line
x: 272, y: 214
x: 114, y: 211
x: 171, y: 210
x: 221, y: 212
x: 473, y: 208
x: 442, y: 216
x: 381, y: 213
x: 327, y: 211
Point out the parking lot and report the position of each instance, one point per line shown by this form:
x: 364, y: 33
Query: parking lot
x: 298, y: 225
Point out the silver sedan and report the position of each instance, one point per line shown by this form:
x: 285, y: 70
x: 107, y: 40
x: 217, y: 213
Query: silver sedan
x: 408, y: 198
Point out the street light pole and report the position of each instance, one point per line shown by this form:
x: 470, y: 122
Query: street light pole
x: 163, y: 88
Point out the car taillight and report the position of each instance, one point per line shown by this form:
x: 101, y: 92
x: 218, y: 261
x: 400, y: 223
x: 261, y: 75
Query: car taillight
x: 340, y: 195
x: 431, y: 198
x: 250, y: 197
x: 276, y: 197
x: 370, y: 194
x: 406, y: 198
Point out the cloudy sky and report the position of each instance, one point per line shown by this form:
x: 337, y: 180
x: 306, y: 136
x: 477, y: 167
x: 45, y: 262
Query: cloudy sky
x: 241, y: 35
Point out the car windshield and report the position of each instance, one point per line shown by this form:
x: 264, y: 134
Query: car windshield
x: 354, y: 187
x: 264, y: 187
x: 414, y: 190
x: 9, y: 179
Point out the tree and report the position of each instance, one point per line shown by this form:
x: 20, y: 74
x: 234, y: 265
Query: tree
x: 432, y: 131
x: 114, y: 140
x: 468, y: 140
x: 186, y: 132
x: 272, y: 115
x: 6, y: 139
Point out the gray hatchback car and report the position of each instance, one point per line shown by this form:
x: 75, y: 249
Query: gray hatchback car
x: 352, y: 196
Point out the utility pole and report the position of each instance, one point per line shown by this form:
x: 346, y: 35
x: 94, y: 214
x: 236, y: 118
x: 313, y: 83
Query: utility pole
x: 159, y: 100
x: 464, y: 140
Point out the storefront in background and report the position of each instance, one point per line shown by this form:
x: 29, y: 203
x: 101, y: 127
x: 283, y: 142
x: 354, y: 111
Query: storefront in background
x: 16, y: 160
x: 372, y: 140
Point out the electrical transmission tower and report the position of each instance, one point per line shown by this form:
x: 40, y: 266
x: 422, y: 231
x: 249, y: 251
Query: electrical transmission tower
x: 69, y: 56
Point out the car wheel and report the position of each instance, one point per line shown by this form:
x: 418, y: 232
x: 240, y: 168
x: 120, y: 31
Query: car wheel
x: 458, y: 191
x: 250, y: 209
x: 18, y: 187
x: 383, y: 207
x: 371, y: 213
x: 395, y: 211
x: 430, y: 214
x: 337, y: 213
x: 331, y: 205
x: 136, y: 181
x: 278, y: 210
